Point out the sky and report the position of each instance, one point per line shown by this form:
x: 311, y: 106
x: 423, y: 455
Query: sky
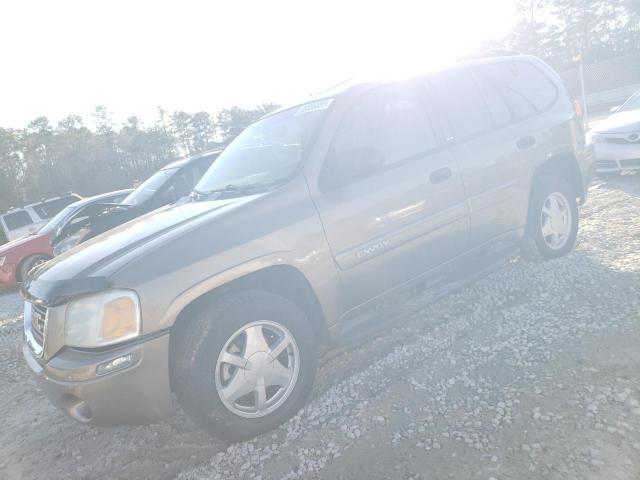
x: 65, y: 57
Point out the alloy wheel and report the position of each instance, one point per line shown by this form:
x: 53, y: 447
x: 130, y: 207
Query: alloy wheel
x: 555, y: 220
x: 257, y: 369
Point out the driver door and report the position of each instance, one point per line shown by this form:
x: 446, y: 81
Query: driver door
x: 390, y: 197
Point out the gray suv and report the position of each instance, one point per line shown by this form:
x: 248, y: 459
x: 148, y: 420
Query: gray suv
x: 316, y: 225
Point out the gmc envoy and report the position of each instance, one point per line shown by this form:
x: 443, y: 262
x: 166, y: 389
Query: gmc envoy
x: 317, y: 224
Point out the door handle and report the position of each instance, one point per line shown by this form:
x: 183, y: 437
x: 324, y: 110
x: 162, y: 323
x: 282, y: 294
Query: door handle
x: 526, y: 142
x: 440, y: 175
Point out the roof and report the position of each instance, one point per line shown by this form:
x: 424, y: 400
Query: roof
x: 364, y: 81
x: 194, y: 158
x: 102, y: 196
x: 34, y: 204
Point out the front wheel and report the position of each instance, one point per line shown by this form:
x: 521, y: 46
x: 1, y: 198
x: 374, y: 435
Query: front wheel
x: 553, y: 217
x: 244, y: 364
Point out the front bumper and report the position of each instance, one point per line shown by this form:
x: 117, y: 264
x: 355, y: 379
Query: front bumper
x: 137, y: 394
x: 617, y: 157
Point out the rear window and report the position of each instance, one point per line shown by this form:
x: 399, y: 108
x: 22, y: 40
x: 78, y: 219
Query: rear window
x: 17, y: 220
x: 526, y: 88
x: 51, y: 208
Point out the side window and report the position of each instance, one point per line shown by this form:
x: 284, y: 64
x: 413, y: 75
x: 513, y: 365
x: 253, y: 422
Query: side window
x: 535, y: 85
x: 200, y: 168
x: 495, y: 102
x: 462, y: 104
x: 180, y: 185
x: 17, y: 220
x: 383, y: 128
x: 526, y: 88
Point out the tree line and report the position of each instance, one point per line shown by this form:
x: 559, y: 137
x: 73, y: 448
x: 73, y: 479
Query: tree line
x: 44, y: 160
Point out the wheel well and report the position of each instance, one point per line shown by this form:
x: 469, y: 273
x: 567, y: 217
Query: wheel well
x: 282, y: 280
x: 565, y: 166
x: 19, y: 265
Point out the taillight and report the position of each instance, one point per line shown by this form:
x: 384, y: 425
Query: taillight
x: 578, y: 109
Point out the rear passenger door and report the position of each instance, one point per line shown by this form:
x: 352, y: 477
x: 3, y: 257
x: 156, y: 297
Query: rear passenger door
x: 390, y: 195
x: 483, y: 140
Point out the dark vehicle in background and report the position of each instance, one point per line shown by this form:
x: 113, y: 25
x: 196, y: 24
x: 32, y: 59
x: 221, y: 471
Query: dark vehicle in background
x: 18, y: 222
x: 21, y: 255
x: 166, y: 186
x: 316, y: 225
x: 616, y: 140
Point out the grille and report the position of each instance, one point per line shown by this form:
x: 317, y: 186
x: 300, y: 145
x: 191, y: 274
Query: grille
x: 631, y: 163
x: 38, y: 318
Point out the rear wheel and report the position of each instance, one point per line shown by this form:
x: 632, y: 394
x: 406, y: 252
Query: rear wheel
x: 553, y: 217
x: 29, y: 264
x: 244, y: 364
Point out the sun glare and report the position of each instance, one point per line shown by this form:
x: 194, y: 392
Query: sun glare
x: 193, y: 56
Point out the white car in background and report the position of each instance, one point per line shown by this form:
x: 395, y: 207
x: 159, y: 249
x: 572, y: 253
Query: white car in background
x: 616, y: 140
x: 18, y: 222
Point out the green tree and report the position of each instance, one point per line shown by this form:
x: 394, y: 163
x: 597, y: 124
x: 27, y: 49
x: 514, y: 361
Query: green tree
x: 11, y: 169
x: 231, y: 121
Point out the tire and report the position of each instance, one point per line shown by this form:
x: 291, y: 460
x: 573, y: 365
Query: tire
x: 553, y: 218
x: 29, y: 263
x: 202, y: 380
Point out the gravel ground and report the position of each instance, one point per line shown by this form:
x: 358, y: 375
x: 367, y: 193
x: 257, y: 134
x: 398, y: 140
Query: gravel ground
x: 531, y: 372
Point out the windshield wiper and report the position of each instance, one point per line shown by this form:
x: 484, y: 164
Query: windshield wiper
x: 236, y: 189
x: 231, y: 188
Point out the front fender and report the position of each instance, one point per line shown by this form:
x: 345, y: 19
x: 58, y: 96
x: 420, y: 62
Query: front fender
x: 323, y: 283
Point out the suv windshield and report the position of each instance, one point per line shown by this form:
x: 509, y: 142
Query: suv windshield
x: 267, y: 152
x: 151, y: 185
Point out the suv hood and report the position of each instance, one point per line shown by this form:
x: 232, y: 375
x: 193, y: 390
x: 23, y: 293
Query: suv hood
x: 621, y: 122
x: 89, y: 259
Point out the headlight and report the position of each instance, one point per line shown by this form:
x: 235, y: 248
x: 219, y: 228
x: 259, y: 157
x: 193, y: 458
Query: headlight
x: 102, y: 319
x: 2, y: 259
x: 70, y: 242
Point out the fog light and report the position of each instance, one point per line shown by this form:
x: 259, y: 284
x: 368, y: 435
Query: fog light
x: 114, y: 365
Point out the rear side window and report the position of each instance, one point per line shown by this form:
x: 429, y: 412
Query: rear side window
x: 17, y: 220
x: 461, y: 103
x: 496, y: 103
x: 383, y: 128
x: 50, y: 209
x: 526, y: 88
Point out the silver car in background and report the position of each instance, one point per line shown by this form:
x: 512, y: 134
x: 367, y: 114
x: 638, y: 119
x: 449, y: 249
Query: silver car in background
x: 616, y: 140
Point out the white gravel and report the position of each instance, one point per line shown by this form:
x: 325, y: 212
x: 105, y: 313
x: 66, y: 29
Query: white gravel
x: 10, y: 304
x: 532, y: 372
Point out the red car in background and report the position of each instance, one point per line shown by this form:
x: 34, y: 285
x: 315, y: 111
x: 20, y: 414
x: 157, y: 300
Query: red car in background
x: 18, y: 257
